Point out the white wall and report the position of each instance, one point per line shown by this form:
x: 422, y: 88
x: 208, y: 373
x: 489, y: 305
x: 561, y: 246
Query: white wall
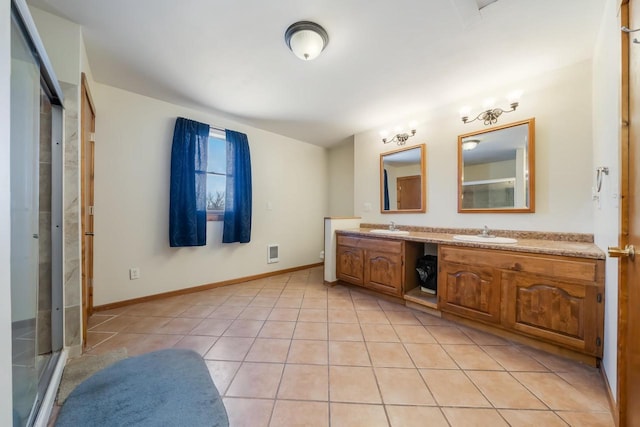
x: 133, y: 148
x: 62, y: 40
x: 606, y: 152
x: 340, y: 158
x: 6, y: 398
x: 561, y: 103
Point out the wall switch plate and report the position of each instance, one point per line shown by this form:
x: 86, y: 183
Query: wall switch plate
x: 134, y: 273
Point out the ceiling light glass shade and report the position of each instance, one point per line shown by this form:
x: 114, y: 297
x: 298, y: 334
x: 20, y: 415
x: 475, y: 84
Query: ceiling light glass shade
x: 470, y: 144
x: 306, y: 39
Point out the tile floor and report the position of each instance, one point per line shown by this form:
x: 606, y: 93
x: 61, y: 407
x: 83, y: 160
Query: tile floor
x: 290, y: 351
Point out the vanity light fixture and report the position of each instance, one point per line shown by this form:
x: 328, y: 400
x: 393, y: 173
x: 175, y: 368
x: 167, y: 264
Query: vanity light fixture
x: 491, y: 113
x: 401, y: 136
x: 470, y: 144
x: 306, y: 39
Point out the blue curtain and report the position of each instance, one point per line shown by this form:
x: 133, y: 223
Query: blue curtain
x: 386, y: 191
x: 188, y: 188
x: 237, y: 205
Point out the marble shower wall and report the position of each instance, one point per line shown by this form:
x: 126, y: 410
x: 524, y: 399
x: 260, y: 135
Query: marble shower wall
x: 71, y: 205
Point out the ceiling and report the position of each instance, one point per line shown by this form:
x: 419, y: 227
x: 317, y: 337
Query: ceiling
x: 387, y: 61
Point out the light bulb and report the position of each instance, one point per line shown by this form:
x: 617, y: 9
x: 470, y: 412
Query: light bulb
x: 489, y: 103
x: 465, y: 111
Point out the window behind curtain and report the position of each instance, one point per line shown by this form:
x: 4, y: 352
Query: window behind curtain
x: 216, y: 175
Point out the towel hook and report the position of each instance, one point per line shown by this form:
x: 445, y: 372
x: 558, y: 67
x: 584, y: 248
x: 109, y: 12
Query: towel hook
x: 629, y: 30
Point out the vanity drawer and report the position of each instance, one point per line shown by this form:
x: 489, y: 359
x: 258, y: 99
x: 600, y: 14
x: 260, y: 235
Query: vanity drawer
x: 548, y: 265
x: 378, y: 245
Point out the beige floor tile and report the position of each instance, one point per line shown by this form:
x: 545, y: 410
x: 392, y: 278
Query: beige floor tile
x: 449, y: 335
x: 403, y: 387
x: 270, y: 293
x: 453, y: 388
x: 286, y: 302
x: 211, y: 300
x: 365, y: 304
x: 345, y: 332
x: 372, y: 316
x: 119, y: 341
x: 229, y: 348
x: 590, y: 383
x: 310, y: 331
x: 342, y: 316
x: 351, y: 415
x: 287, y: 413
x: 308, y: 352
x: 389, y: 355
x: 402, y: 318
x: 350, y: 353
x: 255, y: 313
x: 587, y: 419
x: 414, y: 334
x: 524, y: 418
x: 416, y: 416
x: 431, y: 320
x: 246, y: 292
x: 340, y: 304
x: 179, y: 325
x: 551, y: 361
x: 197, y: 343
x: 312, y: 315
x: 237, y: 301
x: 430, y: 356
x: 483, y: 338
x: 226, y: 312
x: 284, y: 314
x: 269, y: 350
x: 146, y: 325
x: 97, y: 319
x: 503, y: 391
x: 277, y: 329
x: 222, y: 372
x: 259, y: 380
x: 556, y: 393
x: 512, y: 359
x: 392, y: 306
x: 304, y: 382
x: 95, y: 338
x: 264, y: 302
x: 248, y: 412
x: 198, y: 311
x: 293, y: 292
x: 472, y: 357
x: 314, y: 303
x: 472, y: 417
x: 151, y: 343
x: 353, y: 384
x: 244, y: 328
x: 379, y: 333
x: 211, y: 327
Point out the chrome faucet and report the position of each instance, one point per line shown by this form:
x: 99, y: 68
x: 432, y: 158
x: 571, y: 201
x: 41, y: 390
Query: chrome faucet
x: 485, y: 232
x: 392, y: 226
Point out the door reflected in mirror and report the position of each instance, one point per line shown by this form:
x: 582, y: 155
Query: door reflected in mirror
x: 403, y: 180
x: 496, y: 169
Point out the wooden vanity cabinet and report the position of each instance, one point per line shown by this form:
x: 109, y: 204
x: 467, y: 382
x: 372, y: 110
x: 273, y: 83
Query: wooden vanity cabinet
x: 470, y: 291
x: 377, y: 264
x: 551, y: 298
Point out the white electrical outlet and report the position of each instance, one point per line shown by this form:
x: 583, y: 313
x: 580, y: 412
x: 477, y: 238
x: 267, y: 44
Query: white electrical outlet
x: 134, y: 273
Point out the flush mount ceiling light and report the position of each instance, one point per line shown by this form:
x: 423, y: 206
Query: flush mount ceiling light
x: 306, y: 39
x: 470, y: 144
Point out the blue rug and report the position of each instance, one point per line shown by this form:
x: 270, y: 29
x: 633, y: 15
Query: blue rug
x: 164, y: 388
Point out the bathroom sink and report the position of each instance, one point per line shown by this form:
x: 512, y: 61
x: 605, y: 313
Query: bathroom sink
x: 385, y: 231
x: 485, y: 239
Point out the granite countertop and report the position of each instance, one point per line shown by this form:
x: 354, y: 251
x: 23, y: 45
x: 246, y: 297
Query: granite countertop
x: 571, y: 245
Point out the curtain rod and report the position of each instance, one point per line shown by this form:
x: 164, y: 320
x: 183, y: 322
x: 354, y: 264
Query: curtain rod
x: 217, y: 128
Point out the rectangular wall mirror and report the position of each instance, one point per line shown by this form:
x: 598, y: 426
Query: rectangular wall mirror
x: 403, y: 183
x: 496, y: 169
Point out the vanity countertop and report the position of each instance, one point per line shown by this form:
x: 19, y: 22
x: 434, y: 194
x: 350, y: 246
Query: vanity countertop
x: 542, y: 245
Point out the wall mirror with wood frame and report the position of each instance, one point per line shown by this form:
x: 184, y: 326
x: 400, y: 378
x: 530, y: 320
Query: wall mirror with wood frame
x: 403, y: 183
x: 496, y: 169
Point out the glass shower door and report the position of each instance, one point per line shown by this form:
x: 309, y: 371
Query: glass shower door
x: 34, y: 314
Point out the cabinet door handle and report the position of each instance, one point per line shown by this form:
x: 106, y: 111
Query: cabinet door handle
x: 89, y: 233
x: 628, y: 251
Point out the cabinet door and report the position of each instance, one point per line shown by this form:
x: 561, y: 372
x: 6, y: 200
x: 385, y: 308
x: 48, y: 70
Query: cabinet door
x: 383, y: 272
x: 563, y: 312
x: 469, y: 291
x: 350, y: 264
